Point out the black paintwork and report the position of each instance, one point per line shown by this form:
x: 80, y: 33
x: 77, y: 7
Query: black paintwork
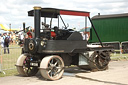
x: 67, y: 43
x: 51, y: 12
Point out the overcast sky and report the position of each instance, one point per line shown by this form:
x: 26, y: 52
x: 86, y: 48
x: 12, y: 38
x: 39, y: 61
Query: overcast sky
x: 15, y: 11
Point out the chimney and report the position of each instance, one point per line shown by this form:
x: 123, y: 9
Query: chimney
x: 98, y: 14
x: 37, y: 14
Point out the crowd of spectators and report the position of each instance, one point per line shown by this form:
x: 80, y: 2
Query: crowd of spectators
x: 7, y: 39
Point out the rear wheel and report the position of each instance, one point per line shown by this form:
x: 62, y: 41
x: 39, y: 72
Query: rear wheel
x: 52, y: 67
x: 101, y: 60
x: 23, y: 66
x: 97, y: 61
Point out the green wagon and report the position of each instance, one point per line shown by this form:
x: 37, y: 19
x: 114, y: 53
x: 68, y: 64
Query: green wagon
x: 111, y: 29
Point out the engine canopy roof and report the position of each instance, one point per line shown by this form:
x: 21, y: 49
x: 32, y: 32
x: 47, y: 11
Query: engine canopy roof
x: 53, y: 12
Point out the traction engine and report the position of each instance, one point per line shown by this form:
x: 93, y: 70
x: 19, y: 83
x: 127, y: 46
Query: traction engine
x: 51, y: 49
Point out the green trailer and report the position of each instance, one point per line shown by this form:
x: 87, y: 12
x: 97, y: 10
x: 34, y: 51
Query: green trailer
x: 110, y: 28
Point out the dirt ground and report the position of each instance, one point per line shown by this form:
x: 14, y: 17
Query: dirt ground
x: 117, y: 74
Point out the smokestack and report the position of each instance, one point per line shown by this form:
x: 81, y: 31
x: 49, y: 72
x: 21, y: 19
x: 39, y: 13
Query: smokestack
x: 98, y: 14
x: 24, y: 26
x: 37, y: 14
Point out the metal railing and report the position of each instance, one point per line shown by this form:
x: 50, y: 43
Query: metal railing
x: 124, y: 46
x: 8, y: 60
x: 118, y: 54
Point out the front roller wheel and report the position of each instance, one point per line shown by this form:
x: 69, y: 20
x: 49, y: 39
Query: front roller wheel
x: 23, y: 66
x: 52, y: 67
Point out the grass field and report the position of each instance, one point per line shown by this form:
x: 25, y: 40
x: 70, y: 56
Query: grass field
x: 119, y: 56
x: 8, y: 61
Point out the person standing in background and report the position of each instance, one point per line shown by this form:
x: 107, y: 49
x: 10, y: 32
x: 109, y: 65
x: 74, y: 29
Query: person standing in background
x: 2, y: 41
x: 6, y: 43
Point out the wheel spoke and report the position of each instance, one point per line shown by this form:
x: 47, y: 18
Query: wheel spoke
x: 50, y: 64
x: 28, y: 70
x: 58, y: 67
x: 49, y: 71
x: 105, y: 62
x: 55, y: 63
x: 59, y: 71
x: 24, y: 68
x: 52, y: 61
